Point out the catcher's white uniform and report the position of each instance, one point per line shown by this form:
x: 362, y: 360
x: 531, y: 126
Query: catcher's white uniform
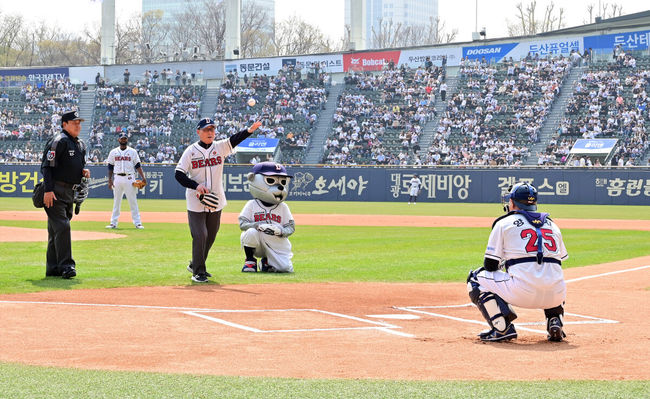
x: 277, y: 249
x: 526, y: 283
x: 124, y: 162
x: 205, y: 166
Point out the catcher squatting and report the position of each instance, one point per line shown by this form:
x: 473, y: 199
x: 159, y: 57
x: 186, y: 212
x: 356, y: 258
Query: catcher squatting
x: 123, y: 161
x: 530, y: 248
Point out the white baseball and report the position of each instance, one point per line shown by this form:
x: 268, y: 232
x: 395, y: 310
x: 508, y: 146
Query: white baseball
x: 251, y: 102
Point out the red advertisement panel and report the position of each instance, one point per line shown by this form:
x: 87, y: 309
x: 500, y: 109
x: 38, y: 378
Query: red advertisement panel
x: 369, y: 61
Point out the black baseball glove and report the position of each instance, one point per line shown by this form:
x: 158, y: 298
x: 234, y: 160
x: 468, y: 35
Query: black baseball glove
x: 209, y: 200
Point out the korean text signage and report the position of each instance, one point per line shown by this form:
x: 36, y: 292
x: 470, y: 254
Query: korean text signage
x: 11, y: 77
x: 369, y: 61
x: 567, y: 186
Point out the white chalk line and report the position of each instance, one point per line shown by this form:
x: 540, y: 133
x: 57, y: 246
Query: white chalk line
x: 606, y: 274
x: 198, y: 312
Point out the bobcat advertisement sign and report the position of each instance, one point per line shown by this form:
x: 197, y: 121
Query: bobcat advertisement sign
x: 369, y: 61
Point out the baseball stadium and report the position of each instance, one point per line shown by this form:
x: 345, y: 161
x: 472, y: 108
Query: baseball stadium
x: 300, y: 223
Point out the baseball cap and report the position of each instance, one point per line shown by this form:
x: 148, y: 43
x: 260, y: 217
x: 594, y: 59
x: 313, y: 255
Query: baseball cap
x: 270, y: 169
x: 71, y: 116
x: 203, y: 123
x: 123, y: 134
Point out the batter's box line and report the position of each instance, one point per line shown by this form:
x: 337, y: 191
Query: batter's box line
x: 417, y: 309
x: 376, y: 325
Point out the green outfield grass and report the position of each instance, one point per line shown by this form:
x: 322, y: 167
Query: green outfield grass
x: 28, y: 382
x: 159, y: 254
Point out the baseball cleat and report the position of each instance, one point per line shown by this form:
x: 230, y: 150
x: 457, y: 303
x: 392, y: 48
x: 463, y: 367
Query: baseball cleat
x: 496, y: 336
x: 139, y: 226
x: 266, y: 268
x: 555, y: 333
x: 69, y: 273
x: 111, y: 226
x: 189, y: 269
x: 249, y: 267
x: 200, y: 278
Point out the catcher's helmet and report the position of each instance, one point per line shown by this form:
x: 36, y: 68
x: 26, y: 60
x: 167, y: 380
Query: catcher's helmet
x: 524, y: 195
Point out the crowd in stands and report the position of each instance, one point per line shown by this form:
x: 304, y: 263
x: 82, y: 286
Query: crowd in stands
x: 379, y: 118
x: 608, y: 101
x: 497, y: 112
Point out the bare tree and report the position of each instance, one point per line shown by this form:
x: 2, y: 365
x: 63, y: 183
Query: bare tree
x: 128, y: 36
x: 527, y: 22
x: 153, y: 36
x: 10, y: 30
x: 390, y: 34
x: 202, y: 26
x: 256, y: 30
x: 606, y: 11
x: 294, y: 36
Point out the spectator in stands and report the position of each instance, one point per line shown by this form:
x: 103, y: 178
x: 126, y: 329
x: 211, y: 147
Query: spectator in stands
x: 127, y: 75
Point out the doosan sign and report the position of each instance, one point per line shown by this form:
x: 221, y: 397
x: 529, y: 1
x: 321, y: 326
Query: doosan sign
x: 370, y: 61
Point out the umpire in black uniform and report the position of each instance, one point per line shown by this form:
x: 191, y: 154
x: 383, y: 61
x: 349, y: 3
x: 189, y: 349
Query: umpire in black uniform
x: 62, y: 167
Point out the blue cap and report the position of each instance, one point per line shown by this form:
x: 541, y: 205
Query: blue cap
x: 270, y: 169
x: 123, y: 134
x: 203, y: 123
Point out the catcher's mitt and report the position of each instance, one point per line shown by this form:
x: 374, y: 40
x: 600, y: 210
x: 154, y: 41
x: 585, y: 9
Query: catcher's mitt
x: 80, y: 193
x: 139, y: 184
x: 209, y: 200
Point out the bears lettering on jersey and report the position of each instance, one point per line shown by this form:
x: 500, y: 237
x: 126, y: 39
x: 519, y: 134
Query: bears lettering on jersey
x: 263, y: 216
x: 202, y: 163
x: 122, y: 158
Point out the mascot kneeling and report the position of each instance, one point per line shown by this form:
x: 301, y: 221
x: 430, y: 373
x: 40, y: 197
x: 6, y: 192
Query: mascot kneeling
x: 266, y: 221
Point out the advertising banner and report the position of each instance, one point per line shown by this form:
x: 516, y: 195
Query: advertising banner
x: 558, y: 186
x: 369, y: 61
x: 559, y: 46
x: 415, y: 58
x: 35, y: 76
x: 638, y: 40
x: 492, y: 53
x: 330, y: 63
x: 257, y: 144
x: 593, y: 146
x: 260, y: 66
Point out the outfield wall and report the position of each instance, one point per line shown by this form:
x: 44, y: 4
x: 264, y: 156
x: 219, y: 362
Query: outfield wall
x: 604, y: 186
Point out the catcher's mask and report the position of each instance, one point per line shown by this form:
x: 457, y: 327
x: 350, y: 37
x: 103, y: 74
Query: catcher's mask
x: 523, y: 194
x: 269, y: 182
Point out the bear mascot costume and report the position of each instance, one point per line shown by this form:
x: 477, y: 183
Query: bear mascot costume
x: 266, y: 221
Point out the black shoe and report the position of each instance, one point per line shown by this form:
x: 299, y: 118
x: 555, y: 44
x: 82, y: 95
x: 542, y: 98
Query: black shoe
x: 266, y: 268
x: 189, y: 269
x: 200, y: 278
x: 555, y: 333
x: 69, y: 273
x: 53, y: 273
x: 495, y: 336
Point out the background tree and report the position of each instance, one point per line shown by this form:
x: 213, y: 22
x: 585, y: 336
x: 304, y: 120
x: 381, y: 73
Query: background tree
x: 527, y: 21
x: 606, y: 10
x: 294, y: 36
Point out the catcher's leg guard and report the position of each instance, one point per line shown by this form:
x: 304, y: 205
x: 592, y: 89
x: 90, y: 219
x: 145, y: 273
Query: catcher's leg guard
x: 497, y: 312
x: 554, y: 323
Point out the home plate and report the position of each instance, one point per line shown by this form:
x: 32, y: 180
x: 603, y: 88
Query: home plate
x: 400, y: 316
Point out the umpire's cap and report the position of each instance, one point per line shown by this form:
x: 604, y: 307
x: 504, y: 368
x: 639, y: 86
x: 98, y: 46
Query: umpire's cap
x: 270, y: 169
x: 205, y: 122
x: 524, y: 195
x: 71, y: 116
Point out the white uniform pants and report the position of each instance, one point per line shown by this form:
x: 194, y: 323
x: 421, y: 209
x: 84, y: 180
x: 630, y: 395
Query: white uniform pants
x: 123, y: 185
x: 530, y: 293
x: 276, y: 249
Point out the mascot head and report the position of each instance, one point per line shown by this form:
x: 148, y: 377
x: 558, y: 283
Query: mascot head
x: 269, y: 182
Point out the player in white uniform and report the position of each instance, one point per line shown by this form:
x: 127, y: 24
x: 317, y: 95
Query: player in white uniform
x: 266, y: 221
x: 200, y: 170
x: 414, y: 190
x: 530, y: 247
x: 123, y: 162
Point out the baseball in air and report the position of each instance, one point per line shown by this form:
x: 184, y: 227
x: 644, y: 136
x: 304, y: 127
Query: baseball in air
x: 251, y: 102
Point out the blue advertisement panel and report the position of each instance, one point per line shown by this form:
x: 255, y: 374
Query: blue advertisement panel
x: 256, y: 144
x: 638, y: 40
x: 36, y: 76
x: 561, y: 186
x: 494, y: 52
